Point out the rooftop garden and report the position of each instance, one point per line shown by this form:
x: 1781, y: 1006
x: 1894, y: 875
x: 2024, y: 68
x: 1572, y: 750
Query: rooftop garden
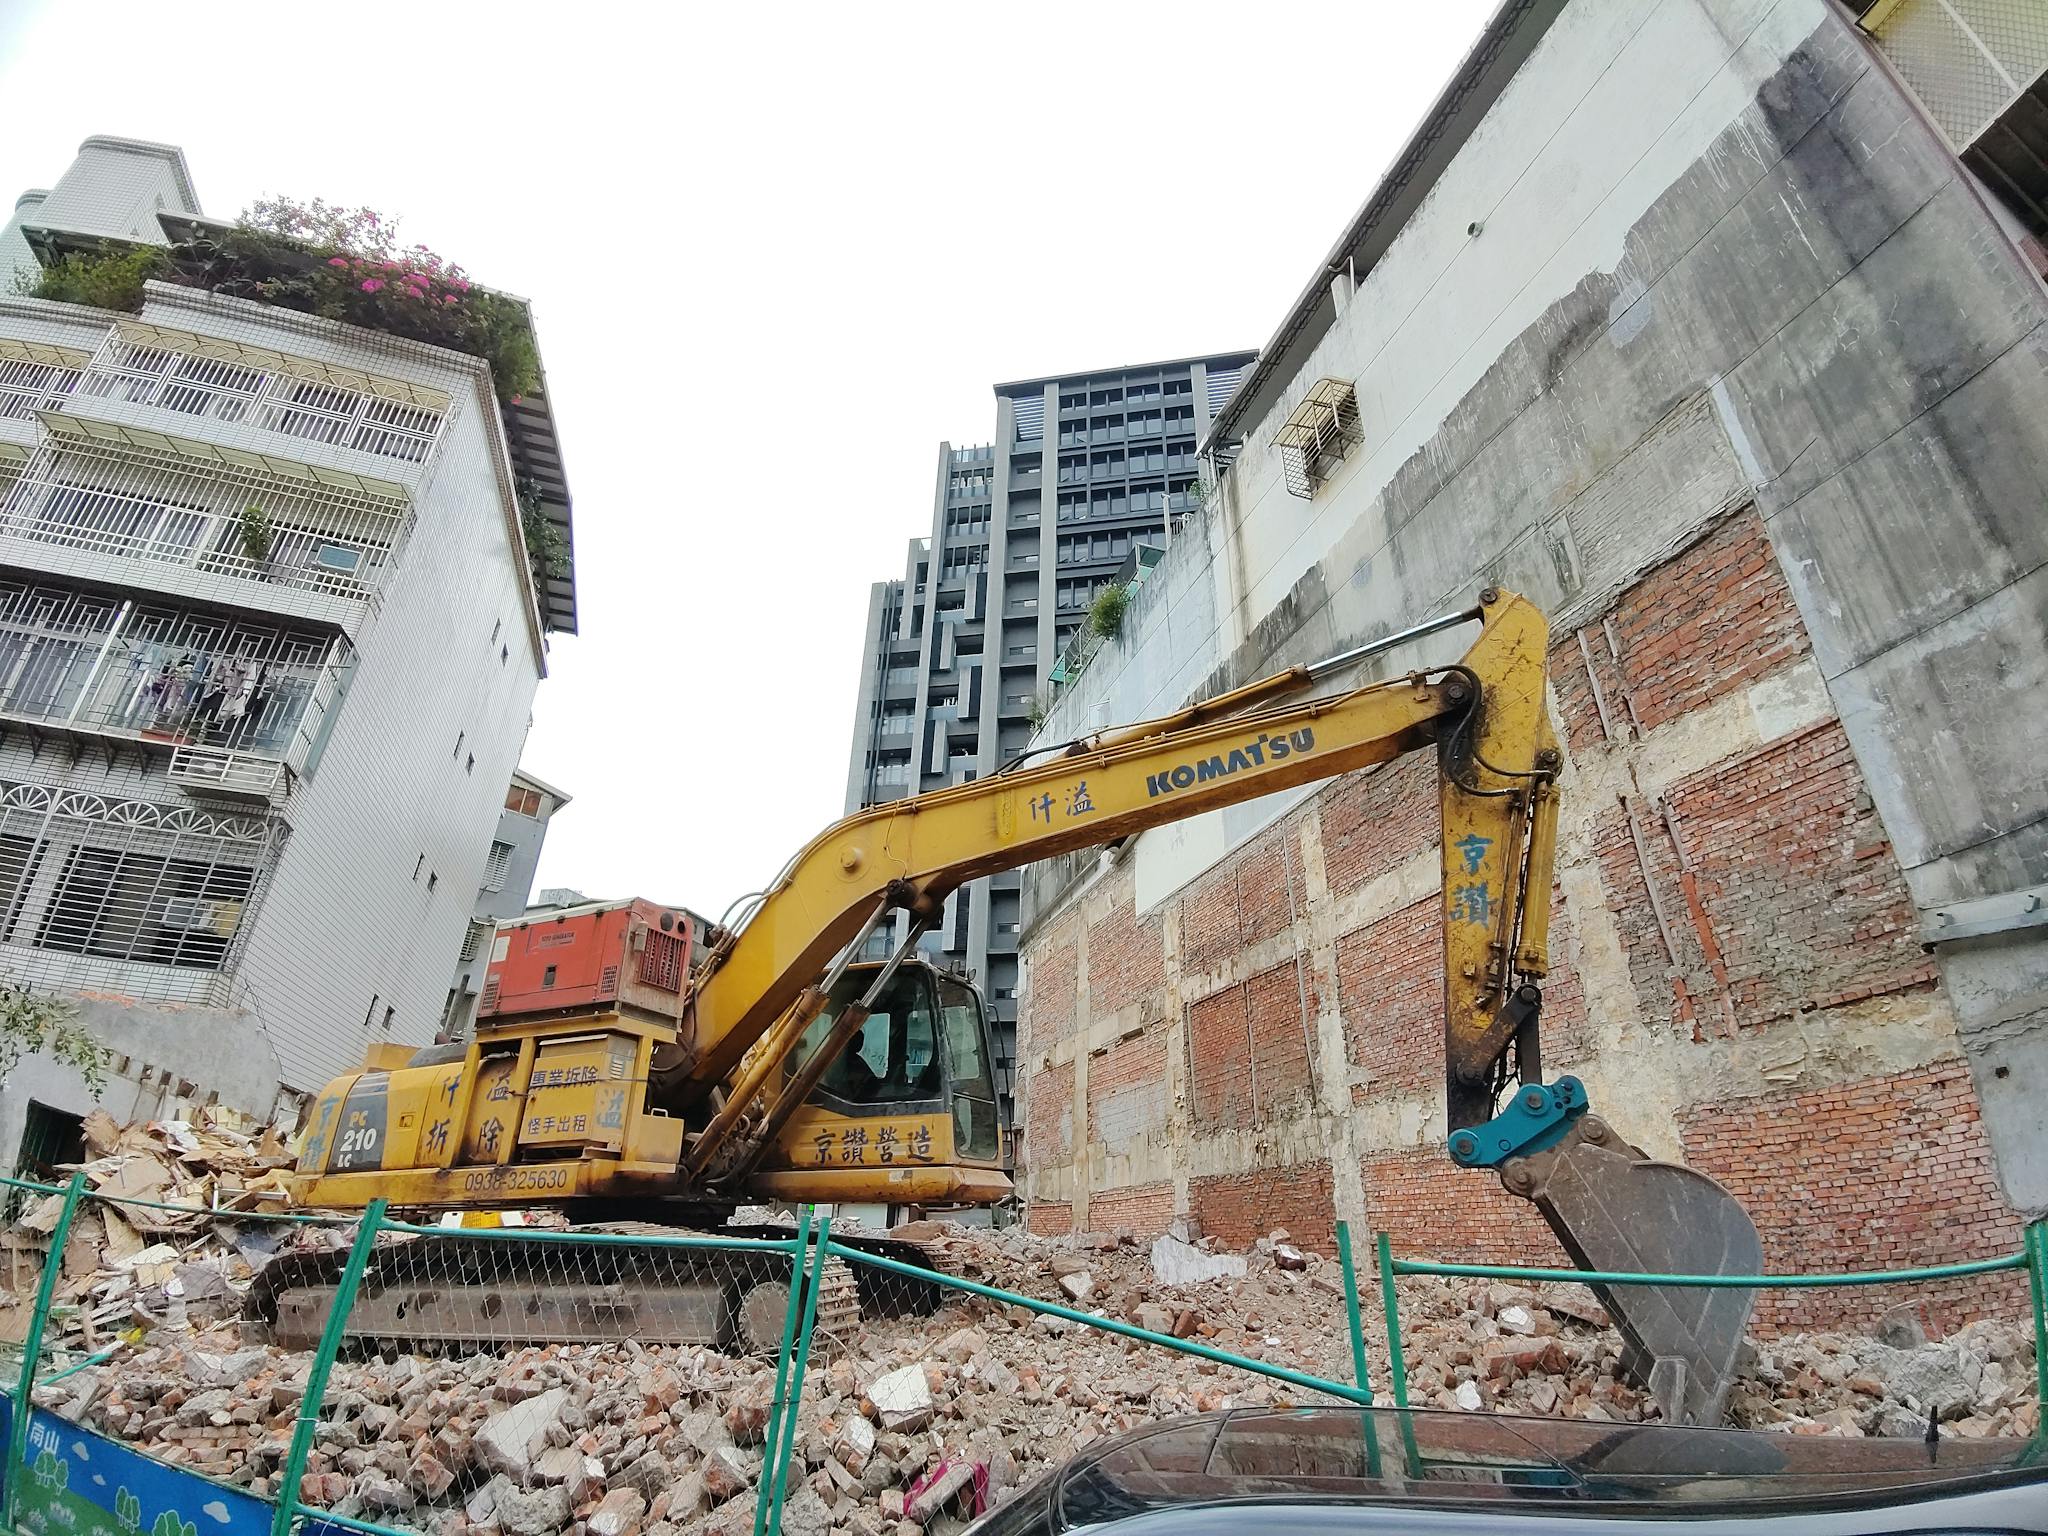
x: 338, y: 263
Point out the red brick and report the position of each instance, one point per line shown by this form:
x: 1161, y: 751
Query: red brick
x: 1047, y: 1219
x: 1051, y: 998
x: 1433, y: 1209
x: 1247, y: 899
x: 1390, y: 989
x: 1781, y: 916
x: 1126, y: 961
x: 1239, y: 1208
x: 1127, y: 1090
x: 1249, y: 1047
x: 1376, y: 821
x: 1885, y: 1173
x: 1049, y: 1117
x: 1145, y: 1209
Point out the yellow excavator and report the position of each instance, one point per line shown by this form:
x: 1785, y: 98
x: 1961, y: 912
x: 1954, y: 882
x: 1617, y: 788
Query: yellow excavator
x: 620, y: 1074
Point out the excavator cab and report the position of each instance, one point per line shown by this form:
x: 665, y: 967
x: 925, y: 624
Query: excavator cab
x: 910, y: 1102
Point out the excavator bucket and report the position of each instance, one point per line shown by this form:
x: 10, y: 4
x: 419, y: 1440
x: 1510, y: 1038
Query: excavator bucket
x: 1617, y: 1210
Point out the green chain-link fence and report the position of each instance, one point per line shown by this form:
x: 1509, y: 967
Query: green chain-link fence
x: 416, y: 1371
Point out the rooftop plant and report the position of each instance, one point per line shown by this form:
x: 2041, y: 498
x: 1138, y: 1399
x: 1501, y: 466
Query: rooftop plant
x: 338, y: 263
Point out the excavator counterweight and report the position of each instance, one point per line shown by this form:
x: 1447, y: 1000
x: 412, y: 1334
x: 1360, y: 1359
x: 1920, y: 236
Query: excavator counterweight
x: 617, y: 1061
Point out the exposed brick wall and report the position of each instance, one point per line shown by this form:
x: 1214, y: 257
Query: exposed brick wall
x: 1376, y: 821
x: 1238, y: 1081
x: 1143, y: 1208
x: 1239, y: 1208
x: 1798, y: 882
x: 1787, y: 898
x: 1125, y: 960
x: 1886, y: 1173
x: 1434, y: 1209
x: 1051, y: 998
x: 1712, y: 620
x: 1390, y: 989
x: 1127, y: 1090
x: 1048, y: 1219
x: 1242, y: 902
x: 1049, y: 1116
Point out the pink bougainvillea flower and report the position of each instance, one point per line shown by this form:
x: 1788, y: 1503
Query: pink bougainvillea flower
x: 447, y: 298
x: 517, y: 398
x: 337, y: 261
x: 372, y: 284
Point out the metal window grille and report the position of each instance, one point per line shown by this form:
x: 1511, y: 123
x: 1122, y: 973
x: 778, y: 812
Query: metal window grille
x: 155, y: 503
x: 1318, y: 436
x: 195, y: 376
x: 661, y: 961
x: 135, y: 881
x: 27, y: 387
x: 1967, y: 60
x: 1030, y: 418
x: 496, y: 865
x: 149, y: 672
x: 473, y: 939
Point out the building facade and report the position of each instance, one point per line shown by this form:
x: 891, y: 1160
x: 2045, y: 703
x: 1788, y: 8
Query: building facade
x: 530, y: 804
x: 247, y: 784
x: 1025, y: 532
x: 1694, y: 321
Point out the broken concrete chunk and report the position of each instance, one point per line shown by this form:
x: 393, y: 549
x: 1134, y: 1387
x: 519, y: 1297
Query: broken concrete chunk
x: 1079, y: 1285
x: 1179, y: 1263
x: 510, y: 1438
x: 902, y: 1399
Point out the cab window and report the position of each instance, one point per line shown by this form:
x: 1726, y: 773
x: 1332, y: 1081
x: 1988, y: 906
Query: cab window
x: 894, y: 1057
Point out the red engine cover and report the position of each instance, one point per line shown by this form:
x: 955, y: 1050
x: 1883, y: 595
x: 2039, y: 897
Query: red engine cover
x: 633, y: 954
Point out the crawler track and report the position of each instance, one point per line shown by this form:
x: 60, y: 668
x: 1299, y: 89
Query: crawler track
x: 459, y: 1295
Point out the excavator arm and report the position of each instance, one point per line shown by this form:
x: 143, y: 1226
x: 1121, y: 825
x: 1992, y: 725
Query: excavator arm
x: 1486, y: 718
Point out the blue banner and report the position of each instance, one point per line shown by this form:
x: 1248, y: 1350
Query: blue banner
x: 77, y: 1482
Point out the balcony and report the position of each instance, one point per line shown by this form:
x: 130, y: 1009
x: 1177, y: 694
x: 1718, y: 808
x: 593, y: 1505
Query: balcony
x: 233, y: 703
x: 124, y: 895
x: 217, y: 524
x: 201, y: 378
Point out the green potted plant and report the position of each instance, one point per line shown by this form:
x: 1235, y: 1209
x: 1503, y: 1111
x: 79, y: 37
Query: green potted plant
x: 256, y: 533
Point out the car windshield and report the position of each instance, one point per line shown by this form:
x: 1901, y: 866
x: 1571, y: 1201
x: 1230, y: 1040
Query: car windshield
x: 1477, y: 1458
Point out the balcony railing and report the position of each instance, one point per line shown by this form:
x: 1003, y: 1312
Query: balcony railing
x: 222, y: 518
x: 233, y: 701
x: 202, y: 377
x: 27, y: 386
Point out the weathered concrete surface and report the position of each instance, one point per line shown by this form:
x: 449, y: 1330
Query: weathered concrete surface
x: 157, y: 1046
x: 1789, y: 301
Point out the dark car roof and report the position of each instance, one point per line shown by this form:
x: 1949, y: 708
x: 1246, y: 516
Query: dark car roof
x: 1447, y: 1461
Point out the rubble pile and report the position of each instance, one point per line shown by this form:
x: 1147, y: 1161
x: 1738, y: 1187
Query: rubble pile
x: 920, y: 1421
x: 127, y: 1262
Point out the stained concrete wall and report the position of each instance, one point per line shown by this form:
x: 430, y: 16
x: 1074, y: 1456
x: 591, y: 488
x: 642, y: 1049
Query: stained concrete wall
x: 1726, y: 282
x: 167, y: 1057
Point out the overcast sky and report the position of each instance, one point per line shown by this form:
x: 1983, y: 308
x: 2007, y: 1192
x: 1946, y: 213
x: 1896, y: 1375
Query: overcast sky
x: 776, y: 254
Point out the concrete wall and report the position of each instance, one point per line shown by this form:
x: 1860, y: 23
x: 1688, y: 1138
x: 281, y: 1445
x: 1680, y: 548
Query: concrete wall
x: 1723, y: 276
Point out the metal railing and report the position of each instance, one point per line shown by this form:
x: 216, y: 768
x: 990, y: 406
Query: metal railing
x: 221, y: 390
x: 219, y: 518
x: 807, y: 1264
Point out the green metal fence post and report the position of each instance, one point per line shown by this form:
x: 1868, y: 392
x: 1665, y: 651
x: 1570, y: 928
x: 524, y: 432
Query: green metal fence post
x: 288, y: 1506
x: 1357, y: 1323
x: 799, y: 1263
x: 32, y: 1348
x: 2037, y: 1276
x: 779, y: 1469
x: 1397, y: 1363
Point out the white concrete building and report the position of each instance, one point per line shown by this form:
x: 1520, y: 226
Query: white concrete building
x: 247, y: 789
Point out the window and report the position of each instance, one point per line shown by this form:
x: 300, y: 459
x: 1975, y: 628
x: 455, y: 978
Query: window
x: 974, y: 1096
x: 895, y: 1056
x: 473, y: 940
x: 522, y: 800
x: 495, y: 866
x: 134, y: 906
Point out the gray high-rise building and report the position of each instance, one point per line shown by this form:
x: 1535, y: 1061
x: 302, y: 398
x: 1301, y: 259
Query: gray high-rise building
x: 1025, y: 531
